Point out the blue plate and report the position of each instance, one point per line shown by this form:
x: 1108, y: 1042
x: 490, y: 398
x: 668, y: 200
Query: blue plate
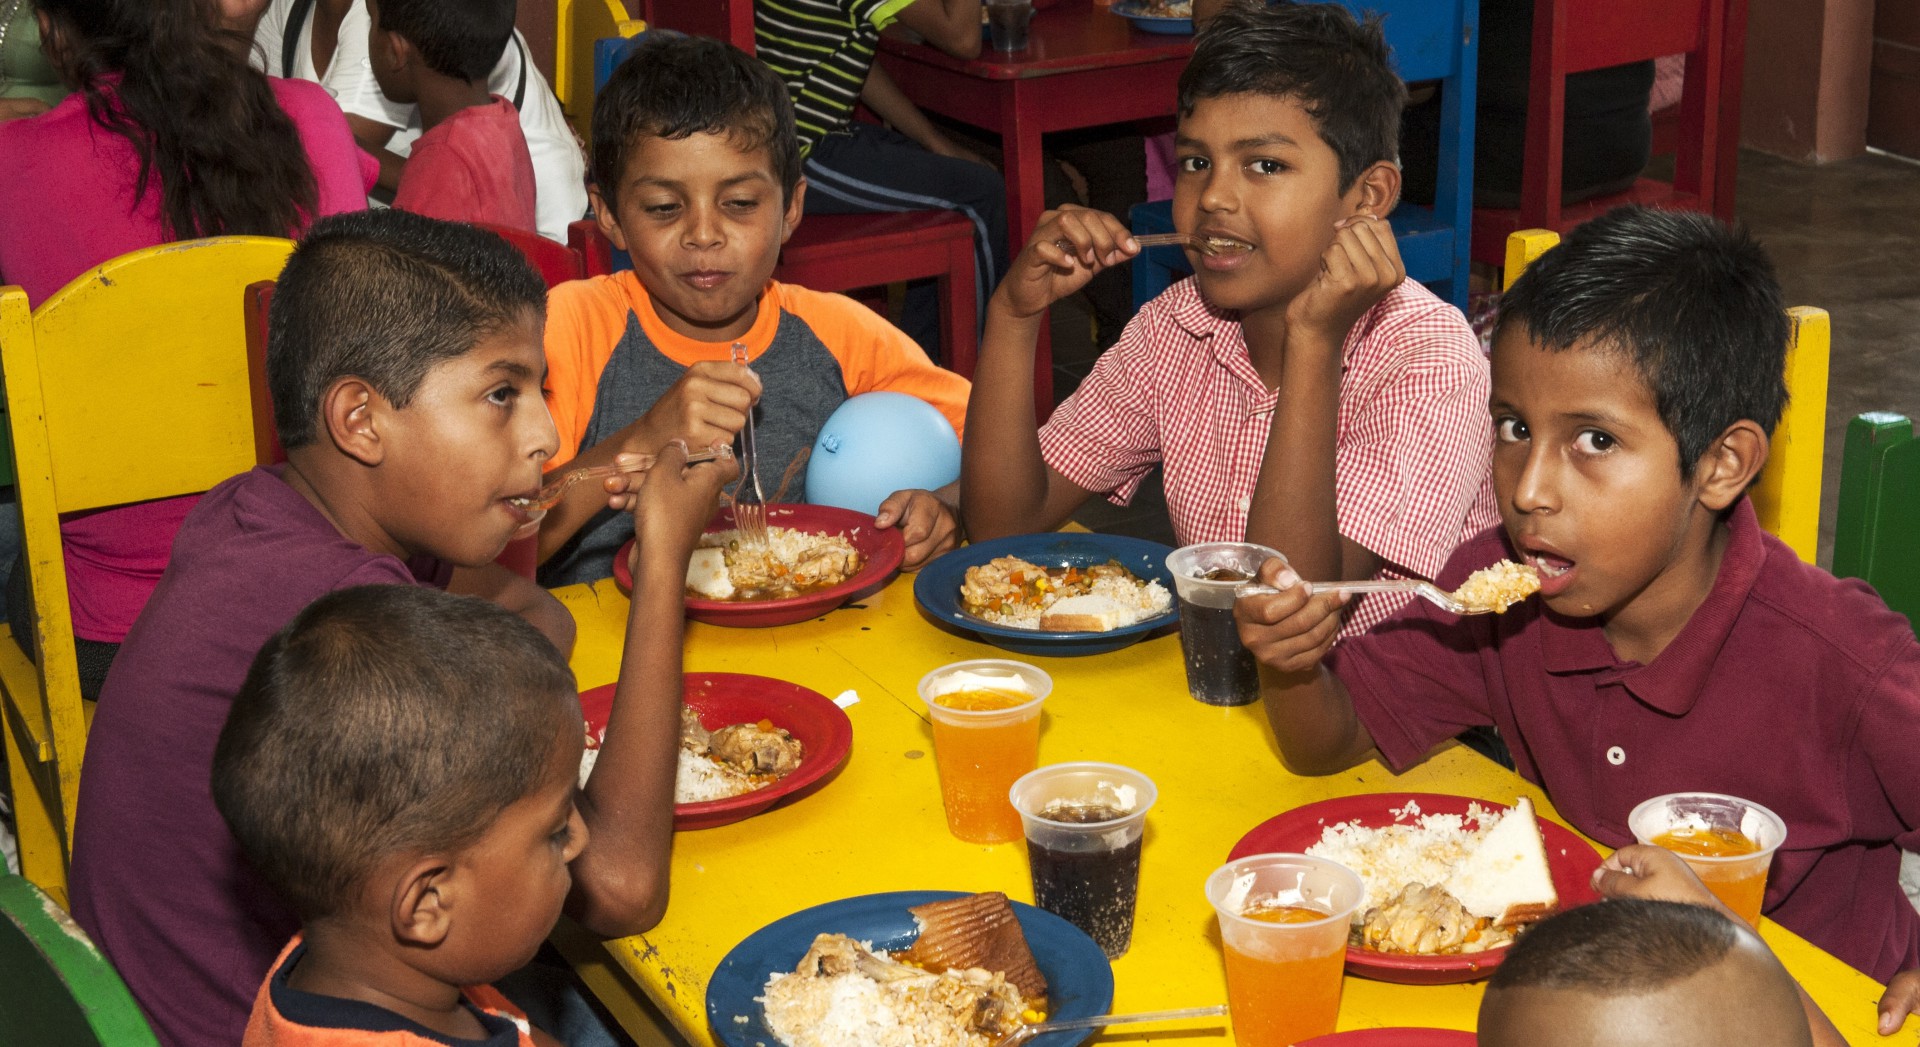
x: 1079, y: 979
x: 937, y: 589
x: 1153, y: 23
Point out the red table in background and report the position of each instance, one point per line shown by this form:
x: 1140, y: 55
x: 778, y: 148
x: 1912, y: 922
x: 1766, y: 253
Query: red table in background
x: 1084, y: 66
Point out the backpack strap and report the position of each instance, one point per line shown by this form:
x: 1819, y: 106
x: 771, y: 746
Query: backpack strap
x: 290, y: 39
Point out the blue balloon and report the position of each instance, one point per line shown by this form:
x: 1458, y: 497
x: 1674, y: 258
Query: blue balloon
x: 879, y: 443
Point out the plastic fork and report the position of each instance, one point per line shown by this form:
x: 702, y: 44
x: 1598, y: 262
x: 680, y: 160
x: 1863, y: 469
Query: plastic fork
x: 540, y: 504
x: 749, y: 505
x: 1425, y: 590
x: 1027, y: 1032
x: 1207, y: 245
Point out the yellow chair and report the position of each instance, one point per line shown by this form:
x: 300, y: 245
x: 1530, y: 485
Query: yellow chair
x: 579, y: 24
x: 1787, y: 495
x: 129, y: 384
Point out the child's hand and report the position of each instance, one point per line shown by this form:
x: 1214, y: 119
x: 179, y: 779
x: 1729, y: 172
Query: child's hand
x: 1291, y: 631
x: 928, y: 525
x: 673, y: 501
x: 1902, y: 998
x: 708, y: 405
x: 1358, y: 270
x: 1069, y: 246
x: 1645, y: 871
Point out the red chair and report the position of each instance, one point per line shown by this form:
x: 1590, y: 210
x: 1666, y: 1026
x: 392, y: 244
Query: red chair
x: 1575, y: 36
x: 729, y: 20
x: 846, y: 252
x: 556, y: 262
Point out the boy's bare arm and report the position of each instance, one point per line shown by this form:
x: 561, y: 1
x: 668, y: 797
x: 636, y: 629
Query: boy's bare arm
x: 889, y: 103
x: 373, y: 136
x: 952, y: 26
x: 620, y: 880
x: 1311, y: 712
x: 1006, y: 485
x: 707, y: 406
x: 1294, y: 501
x: 497, y: 585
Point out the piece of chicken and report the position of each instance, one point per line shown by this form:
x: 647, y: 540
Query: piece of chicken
x: 756, y: 750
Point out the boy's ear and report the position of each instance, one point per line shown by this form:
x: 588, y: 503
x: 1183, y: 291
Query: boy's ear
x: 603, y: 215
x: 349, y: 411
x: 796, y: 202
x: 423, y: 901
x: 1732, y: 462
x: 1376, y: 191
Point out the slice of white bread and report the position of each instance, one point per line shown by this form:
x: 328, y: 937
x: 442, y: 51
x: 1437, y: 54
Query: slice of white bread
x: 707, y: 574
x: 1506, y: 878
x: 1084, y: 614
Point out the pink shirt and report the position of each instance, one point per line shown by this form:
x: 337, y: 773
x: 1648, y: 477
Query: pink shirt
x: 66, y: 205
x: 1787, y: 686
x: 472, y: 167
x: 1412, y: 449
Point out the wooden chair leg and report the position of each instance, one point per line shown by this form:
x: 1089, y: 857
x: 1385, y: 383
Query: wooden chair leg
x: 37, y: 828
x: 959, y: 316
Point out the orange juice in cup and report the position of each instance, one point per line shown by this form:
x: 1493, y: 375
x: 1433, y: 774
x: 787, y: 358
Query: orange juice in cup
x: 1728, y: 842
x: 1284, y: 920
x: 986, y: 734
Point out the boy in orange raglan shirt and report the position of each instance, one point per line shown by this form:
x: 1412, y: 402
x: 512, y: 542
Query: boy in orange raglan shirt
x: 699, y: 181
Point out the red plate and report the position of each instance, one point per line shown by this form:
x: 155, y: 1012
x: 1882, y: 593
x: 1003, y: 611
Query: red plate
x: 1394, y: 1038
x: 883, y: 549
x: 724, y: 698
x: 1571, y: 859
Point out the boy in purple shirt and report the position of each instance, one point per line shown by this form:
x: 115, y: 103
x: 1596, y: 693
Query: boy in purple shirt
x: 1637, y: 373
x: 405, y: 357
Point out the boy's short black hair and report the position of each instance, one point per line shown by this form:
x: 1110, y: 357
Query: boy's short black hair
x: 385, y: 295
x: 674, y: 86
x: 1617, y: 947
x: 1693, y: 304
x: 384, y: 720
x: 459, y: 38
x: 1338, y: 68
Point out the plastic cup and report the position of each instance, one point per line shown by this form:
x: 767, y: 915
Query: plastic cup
x: 1219, y: 670
x: 1007, y: 23
x: 986, y: 734
x: 1283, y: 978
x: 1083, y: 823
x: 1706, y: 830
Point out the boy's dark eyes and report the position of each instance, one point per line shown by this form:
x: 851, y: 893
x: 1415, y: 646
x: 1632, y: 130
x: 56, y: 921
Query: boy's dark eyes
x: 1509, y: 430
x: 503, y: 396
x: 1594, y: 441
x: 1192, y: 164
x: 1266, y: 166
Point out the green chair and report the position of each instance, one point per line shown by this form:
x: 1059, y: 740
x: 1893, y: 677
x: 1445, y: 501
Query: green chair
x: 1875, y: 536
x: 55, y: 987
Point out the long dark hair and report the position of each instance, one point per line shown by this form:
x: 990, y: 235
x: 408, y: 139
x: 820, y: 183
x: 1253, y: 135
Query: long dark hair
x: 205, y: 125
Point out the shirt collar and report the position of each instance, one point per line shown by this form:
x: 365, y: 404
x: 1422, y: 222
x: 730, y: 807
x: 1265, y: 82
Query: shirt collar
x: 1221, y: 330
x: 1672, y: 682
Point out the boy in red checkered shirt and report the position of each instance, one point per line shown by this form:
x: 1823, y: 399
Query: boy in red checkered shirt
x: 1299, y: 390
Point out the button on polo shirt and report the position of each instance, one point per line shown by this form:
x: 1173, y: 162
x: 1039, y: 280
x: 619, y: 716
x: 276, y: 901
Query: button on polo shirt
x: 1787, y: 686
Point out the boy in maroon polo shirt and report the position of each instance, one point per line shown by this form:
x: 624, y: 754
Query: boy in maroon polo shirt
x: 1675, y: 646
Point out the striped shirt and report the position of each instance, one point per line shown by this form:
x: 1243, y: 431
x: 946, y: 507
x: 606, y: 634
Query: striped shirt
x: 1412, y: 452
x: 822, y: 49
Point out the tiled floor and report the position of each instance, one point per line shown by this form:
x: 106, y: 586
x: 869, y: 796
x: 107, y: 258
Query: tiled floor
x: 1845, y: 237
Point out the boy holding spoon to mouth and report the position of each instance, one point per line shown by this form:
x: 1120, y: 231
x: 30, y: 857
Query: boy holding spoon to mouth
x: 1299, y: 391
x: 1674, y: 645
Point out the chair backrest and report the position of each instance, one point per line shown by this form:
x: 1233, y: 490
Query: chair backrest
x: 557, y: 262
x: 1787, y: 495
x: 1576, y: 36
x: 578, y: 24
x: 129, y: 384
x: 729, y: 20
x: 1877, y: 535
x: 55, y: 987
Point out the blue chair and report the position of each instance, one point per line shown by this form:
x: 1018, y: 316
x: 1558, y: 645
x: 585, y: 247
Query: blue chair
x: 1431, y: 40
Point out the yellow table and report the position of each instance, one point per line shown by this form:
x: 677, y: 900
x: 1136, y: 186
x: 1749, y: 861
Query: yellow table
x: 878, y: 826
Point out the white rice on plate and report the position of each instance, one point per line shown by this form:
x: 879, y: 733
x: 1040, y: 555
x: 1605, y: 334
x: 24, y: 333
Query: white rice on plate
x: 698, y: 779
x: 1421, y: 848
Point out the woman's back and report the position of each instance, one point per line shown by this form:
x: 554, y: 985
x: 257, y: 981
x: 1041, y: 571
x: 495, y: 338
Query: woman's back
x: 67, y: 199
